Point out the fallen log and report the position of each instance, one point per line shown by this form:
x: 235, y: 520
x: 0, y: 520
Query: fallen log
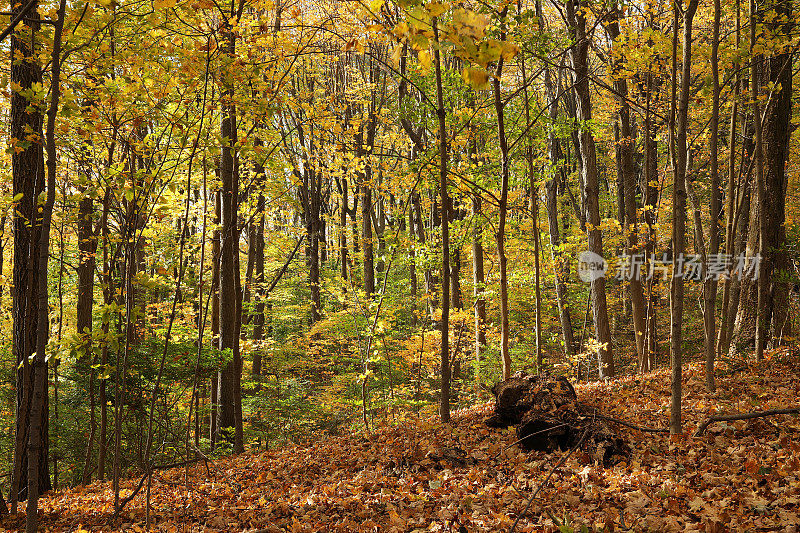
x: 547, y: 415
x: 744, y: 416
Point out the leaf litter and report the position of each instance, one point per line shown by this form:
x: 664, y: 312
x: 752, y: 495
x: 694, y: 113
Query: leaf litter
x: 423, y: 476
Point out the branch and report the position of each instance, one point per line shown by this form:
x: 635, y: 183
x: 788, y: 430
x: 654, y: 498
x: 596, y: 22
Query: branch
x: 17, y: 19
x: 744, y: 416
x: 625, y: 423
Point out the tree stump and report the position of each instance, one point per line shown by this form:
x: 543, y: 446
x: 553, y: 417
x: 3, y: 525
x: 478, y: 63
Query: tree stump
x: 547, y: 415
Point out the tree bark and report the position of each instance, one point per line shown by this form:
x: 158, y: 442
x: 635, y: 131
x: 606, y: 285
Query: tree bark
x: 258, y: 283
x: 500, y: 236
x: 478, y: 279
x: 776, y: 134
x: 557, y: 177
x: 579, y: 55
x: 732, y: 194
x: 27, y: 163
x: 37, y: 447
x: 760, y: 286
x: 366, y: 236
x: 228, y: 423
x: 679, y: 218
x: 444, y: 393
x: 711, y: 281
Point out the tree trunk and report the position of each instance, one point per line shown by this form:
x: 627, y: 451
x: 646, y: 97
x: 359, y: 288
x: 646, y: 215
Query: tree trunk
x: 711, y: 281
x: 27, y: 164
x: 444, y: 393
x: 228, y: 427
x: 776, y: 134
x: 679, y: 218
x: 500, y: 236
x: 557, y: 176
x: 343, y: 231
x: 456, y: 294
x: 763, y: 311
x: 366, y: 229
x: 216, y: 247
x: 579, y: 56
x: 533, y: 208
x: 478, y: 279
x: 258, y: 282
x: 732, y: 194
x: 38, y: 444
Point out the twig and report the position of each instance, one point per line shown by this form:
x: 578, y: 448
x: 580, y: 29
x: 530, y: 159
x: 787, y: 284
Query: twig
x: 543, y: 483
x: 744, y: 416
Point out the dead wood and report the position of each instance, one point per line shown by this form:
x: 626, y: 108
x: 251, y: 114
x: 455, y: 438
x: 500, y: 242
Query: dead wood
x: 744, y: 416
x: 548, y: 417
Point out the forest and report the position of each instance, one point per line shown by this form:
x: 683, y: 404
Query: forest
x: 284, y: 257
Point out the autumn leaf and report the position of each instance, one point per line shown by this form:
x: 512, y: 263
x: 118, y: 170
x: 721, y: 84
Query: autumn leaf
x: 164, y: 4
x: 476, y: 78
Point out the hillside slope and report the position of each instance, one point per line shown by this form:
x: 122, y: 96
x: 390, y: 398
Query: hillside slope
x: 421, y: 476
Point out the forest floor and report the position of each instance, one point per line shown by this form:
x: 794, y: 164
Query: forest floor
x: 424, y: 476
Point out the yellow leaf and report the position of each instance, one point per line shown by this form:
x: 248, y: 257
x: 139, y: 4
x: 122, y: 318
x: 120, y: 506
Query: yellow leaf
x: 477, y: 78
x: 436, y: 8
x: 424, y: 57
x: 509, y: 50
x: 164, y: 4
x: 397, y: 53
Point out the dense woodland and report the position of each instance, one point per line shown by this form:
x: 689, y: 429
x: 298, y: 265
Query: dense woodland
x: 227, y: 227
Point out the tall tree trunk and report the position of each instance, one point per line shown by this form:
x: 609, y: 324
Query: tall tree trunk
x: 419, y: 225
x: 776, y: 134
x: 87, y: 249
x: 478, y: 279
x: 38, y: 445
x: 579, y: 55
x: 228, y: 424
x: 711, y: 281
x: 258, y: 282
x: 730, y: 208
x: 755, y: 59
x: 650, y: 194
x: 444, y: 393
x: 27, y: 163
x: 366, y: 229
x: 216, y: 247
x: 679, y: 218
x: 533, y: 207
x: 412, y: 267
x: 500, y: 236
x: 456, y: 295
x: 343, y: 231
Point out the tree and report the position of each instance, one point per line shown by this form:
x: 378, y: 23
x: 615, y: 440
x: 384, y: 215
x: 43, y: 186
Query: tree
x: 576, y: 17
x: 500, y: 235
x: 444, y: 398
x: 229, y: 421
x: 28, y: 174
x: 679, y: 215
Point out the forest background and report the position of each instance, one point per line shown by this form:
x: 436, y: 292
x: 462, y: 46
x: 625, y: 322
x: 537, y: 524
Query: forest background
x: 234, y: 226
